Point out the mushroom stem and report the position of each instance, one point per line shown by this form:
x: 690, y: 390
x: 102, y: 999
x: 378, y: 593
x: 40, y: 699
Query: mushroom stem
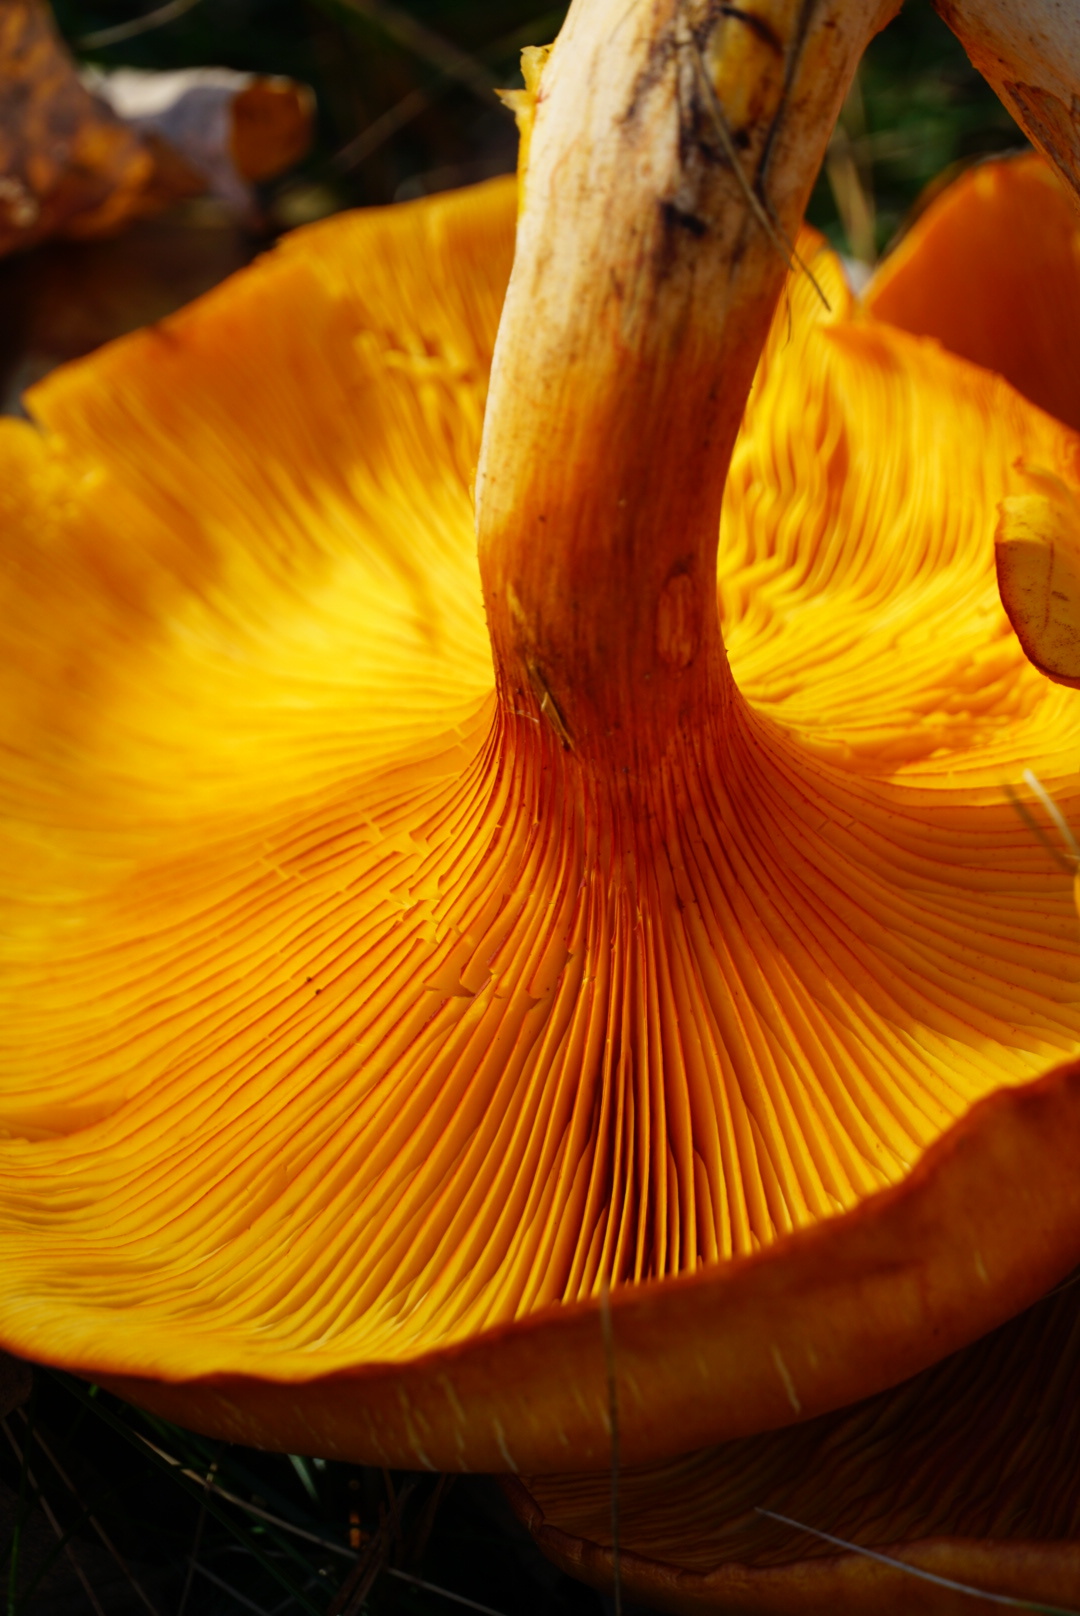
x: 673, y: 150
x: 1029, y: 50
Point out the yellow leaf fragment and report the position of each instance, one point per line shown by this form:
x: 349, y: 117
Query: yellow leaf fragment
x: 1037, y: 548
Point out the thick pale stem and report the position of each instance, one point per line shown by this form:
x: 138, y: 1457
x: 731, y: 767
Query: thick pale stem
x: 1029, y: 50
x: 673, y: 150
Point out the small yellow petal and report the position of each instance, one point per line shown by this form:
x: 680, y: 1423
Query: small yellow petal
x: 1037, y: 547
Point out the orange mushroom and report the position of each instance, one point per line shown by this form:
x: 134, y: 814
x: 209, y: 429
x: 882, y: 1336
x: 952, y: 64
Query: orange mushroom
x: 992, y: 269
x: 961, y: 1479
x: 378, y: 993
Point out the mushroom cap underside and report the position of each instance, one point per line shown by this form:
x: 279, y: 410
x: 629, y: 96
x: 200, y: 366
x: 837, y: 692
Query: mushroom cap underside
x: 357, y: 1034
x: 991, y: 267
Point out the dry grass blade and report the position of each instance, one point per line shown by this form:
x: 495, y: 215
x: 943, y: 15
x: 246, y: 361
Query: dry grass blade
x: 196, y: 1488
x: 1032, y: 824
x: 157, y: 18
x: 93, y: 1521
x: 849, y: 171
x: 398, y: 1532
x: 416, y: 102
x: 382, y: 129
x: 193, y: 1558
x: 613, y: 1416
x: 421, y: 1532
x: 1032, y: 781
x: 428, y: 45
x: 757, y: 205
x: 444, y: 1593
x: 46, y: 1509
x: 373, y: 1558
x: 331, y: 1547
x: 854, y: 202
x: 272, y: 1520
x: 15, y: 1546
x: 16, y: 1383
x: 916, y: 1571
x: 233, y: 1593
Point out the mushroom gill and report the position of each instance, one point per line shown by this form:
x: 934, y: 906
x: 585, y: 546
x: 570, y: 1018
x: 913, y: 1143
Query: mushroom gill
x: 965, y: 1473
x: 376, y: 993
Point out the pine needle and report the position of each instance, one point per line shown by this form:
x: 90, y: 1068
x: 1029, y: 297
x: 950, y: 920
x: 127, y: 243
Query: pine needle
x: 917, y: 1571
x: 613, y: 1417
x: 1032, y: 781
x: 758, y: 207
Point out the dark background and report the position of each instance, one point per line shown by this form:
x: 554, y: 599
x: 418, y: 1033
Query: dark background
x: 919, y: 107
x: 406, y: 105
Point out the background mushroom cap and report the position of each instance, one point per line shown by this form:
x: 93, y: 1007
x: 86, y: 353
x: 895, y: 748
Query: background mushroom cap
x: 965, y: 1472
x: 355, y: 1034
x: 991, y: 267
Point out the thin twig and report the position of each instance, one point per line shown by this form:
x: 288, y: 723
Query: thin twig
x: 916, y: 1571
x: 193, y: 1557
x: 383, y: 128
x: 20, y: 1521
x: 388, y: 123
x: 196, y: 1488
x: 433, y: 1588
x: 139, y: 25
x: 613, y: 1419
x: 211, y: 1487
x: 93, y: 1521
x: 241, y: 1599
x: 1032, y: 781
x: 373, y: 1558
x: 1032, y: 824
x: 772, y: 227
x: 1066, y: 1285
x: 431, y: 47
x: 47, y: 1511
